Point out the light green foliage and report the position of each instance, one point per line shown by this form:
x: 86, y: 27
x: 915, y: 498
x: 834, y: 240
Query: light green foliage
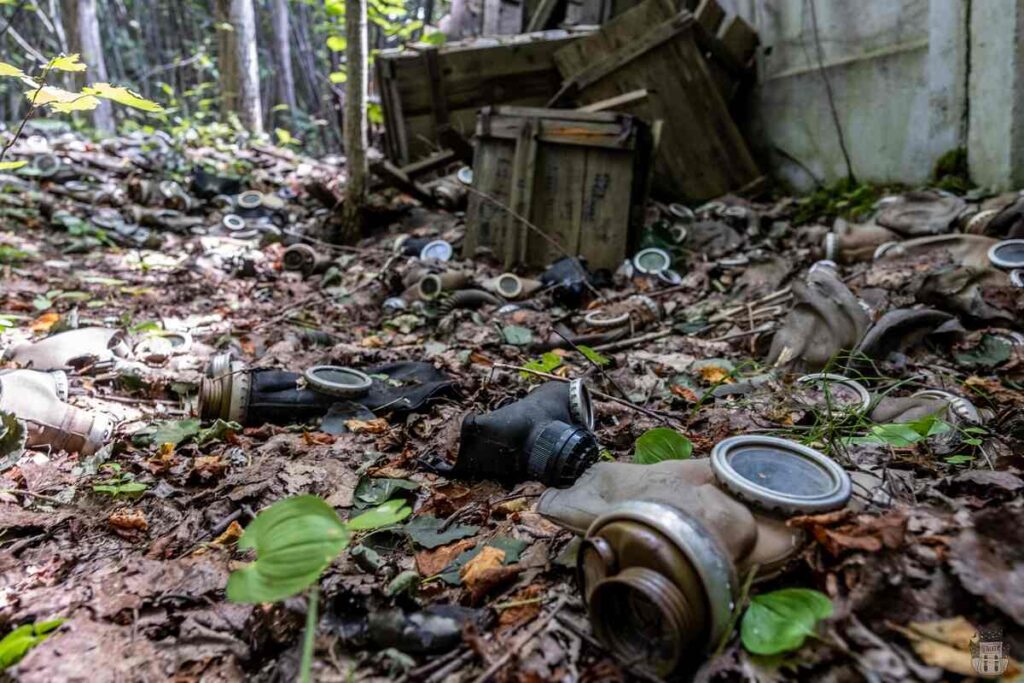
x: 18, y: 642
x: 517, y: 335
x: 593, y: 356
x: 903, y: 435
x: 295, y: 540
x: 661, y: 443
x: 120, y: 483
x: 782, y: 620
x: 546, y: 363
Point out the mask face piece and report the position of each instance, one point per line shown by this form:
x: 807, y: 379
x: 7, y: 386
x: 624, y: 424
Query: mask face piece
x: 545, y: 437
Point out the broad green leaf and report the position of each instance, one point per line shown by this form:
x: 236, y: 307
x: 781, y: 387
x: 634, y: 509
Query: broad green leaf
x: 378, y: 490
x: 174, y: 431
x: 517, y: 335
x: 337, y: 43
x: 67, y: 63
x: 593, y: 356
x: 391, y: 512
x: 82, y: 103
x: 902, y: 435
x: 429, y: 532
x: 338, y: 77
x: 283, y: 136
x: 992, y: 351
x: 50, y: 94
x: 959, y: 459
x: 130, y: 489
x: 661, y: 443
x: 435, y: 38
x: 546, y: 363
x: 217, y: 431
x: 12, y: 165
x: 780, y: 621
x: 22, y: 639
x: 12, y: 440
x: 11, y: 71
x: 295, y: 540
x: 122, y: 96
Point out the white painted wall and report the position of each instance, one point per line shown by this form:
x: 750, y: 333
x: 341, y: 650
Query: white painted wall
x: 904, y: 91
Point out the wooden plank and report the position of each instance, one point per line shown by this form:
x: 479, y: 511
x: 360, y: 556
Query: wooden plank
x: 492, y: 183
x: 709, y: 15
x: 607, y: 185
x: 521, y: 202
x: 739, y: 39
x: 558, y: 202
x: 431, y: 163
x: 541, y: 15
x: 702, y: 154
x: 396, y: 177
x: 613, y: 102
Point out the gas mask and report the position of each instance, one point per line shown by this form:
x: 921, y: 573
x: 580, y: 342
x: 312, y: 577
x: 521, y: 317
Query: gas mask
x: 38, y: 399
x: 853, y: 243
x: 545, y: 436
x: 826, y: 319
x: 664, y: 545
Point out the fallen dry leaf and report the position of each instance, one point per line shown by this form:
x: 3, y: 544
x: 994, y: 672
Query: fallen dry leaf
x: 44, y: 322
x: 509, y: 507
x: 377, y: 425
x: 128, y: 519
x: 230, y: 535
x: 431, y: 562
x: 864, y: 532
x: 523, y: 607
x: 485, y: 572
x: 713, y: 374
x: 947, y: 644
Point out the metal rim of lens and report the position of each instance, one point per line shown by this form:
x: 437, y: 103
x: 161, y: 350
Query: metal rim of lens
x: 733, y: 262
x: 882, y: 249
x: 1017, y: 278
x: 709, y: 560
x: 641, y: 261
x: 770, y: 499
x: 681, y: 211
x: 594, y: 319
x: 430, y: 286
x: 679, y: 232
x: 509, y: 292
x: 358, y: 387
x: 862, y: 392
x: 465, y: 175
x: 1000, y: 262
x: 298, y: 257
x: 959, y: 406
x: 580, y: 406
x: 824, y: 264
x: 980, y: 217
x: 250, y: 200
x: 650, y: 304
x: 439, y: 250
x: 233, y: 222
x: 46, y: 165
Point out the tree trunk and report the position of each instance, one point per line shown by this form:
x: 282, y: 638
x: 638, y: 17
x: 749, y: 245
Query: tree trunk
x: 250, y: 110
x: 355, y: 119
x: 283, y: 57
x: 239, y: 63
x: 92, y: 54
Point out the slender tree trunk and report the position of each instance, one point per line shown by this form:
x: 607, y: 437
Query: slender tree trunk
x: 250, y: 110
x: 283, y: 57
x: 227, y: 57
x: 355, y: 119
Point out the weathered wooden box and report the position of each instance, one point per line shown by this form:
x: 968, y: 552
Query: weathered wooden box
x: 427, y: 92
x: 652, y: 47
x: 549, y: 183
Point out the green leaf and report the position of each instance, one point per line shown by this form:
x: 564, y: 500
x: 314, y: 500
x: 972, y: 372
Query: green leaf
x: 67, y: 63
x: 428, y: 532
x: 375, y: 491
x: 338, y: 77
x: 406, y: 582
x: 546, y: 363
x: 435, y: 38
x: 780, y: 621
x: 13, y: 435
x: 129, y: 489
x: 12, y: 165
x: 512, y: 548
x: 391, y: 512
x: 992, y: 351
x: 959, y: 459
x: 295, y: 540
x: 517, y: 335
x: 122, y: 96
x: 11, y: 71
x: 216, y: 432
x: 22, y: 639
x: 337, y: 43
x: 661, y: 443
x: 593, y: 356
x: 902, y: 435
x: 174, y: 431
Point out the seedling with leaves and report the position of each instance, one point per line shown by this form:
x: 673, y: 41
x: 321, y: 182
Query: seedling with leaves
x: 120, y: 483
x: 18, y: 642
x: 295, y: 540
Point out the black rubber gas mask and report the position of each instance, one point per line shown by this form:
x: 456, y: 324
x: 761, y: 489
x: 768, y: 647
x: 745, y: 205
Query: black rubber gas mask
x: 545, y: 436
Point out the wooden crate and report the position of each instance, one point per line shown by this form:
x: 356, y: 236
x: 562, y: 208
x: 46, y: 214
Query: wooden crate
x: 579, y: 177
x: 429, y: 92
x: 701, y: 153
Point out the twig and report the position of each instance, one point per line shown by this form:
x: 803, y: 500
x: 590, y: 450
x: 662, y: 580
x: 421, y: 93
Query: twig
x: 521, y: 643
x: 31, y: 110
x: 633, y: 341
x: 657, y: 415
x: 744, y: 592
x: 604, y: 374
x: 33, y: 494
x: 767, y: 327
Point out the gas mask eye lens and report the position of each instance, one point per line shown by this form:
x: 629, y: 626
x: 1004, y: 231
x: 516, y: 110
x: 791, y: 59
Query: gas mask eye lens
x: 652, y: 261
x: 335, y: 380
x: 779, y: 475
x: 1007, y: 254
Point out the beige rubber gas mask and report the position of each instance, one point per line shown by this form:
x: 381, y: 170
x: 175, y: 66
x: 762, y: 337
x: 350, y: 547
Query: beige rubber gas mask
x: 664, y: 545
x: 38, y: 399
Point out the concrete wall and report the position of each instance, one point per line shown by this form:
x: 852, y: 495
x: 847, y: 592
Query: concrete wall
x: 911, y: 80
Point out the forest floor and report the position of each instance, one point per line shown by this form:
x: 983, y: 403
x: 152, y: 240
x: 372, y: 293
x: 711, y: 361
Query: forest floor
x: 140, y: 575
